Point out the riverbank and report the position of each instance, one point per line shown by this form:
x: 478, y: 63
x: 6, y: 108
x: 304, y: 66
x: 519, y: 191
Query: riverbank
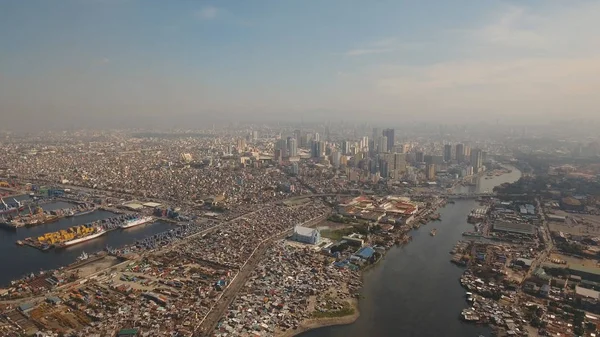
x: 414, y: 289
x: 316, y: 323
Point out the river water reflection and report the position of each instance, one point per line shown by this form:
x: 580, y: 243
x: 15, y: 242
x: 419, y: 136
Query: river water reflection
x: 415, y: 290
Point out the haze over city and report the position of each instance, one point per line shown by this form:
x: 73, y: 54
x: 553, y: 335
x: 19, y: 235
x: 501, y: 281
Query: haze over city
x: 120, y: 63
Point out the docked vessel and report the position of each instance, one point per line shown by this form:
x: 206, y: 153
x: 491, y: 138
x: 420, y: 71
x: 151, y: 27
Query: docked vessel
x: 136, y: 221
x: 98, y: 231
x: 433, y: 232
x: 89, y: 211
x: 83, y: 257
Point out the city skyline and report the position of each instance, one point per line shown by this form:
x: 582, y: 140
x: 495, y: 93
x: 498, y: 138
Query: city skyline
x: 127, y: 63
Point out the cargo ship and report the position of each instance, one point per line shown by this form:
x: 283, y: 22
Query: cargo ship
x: 96, y: 232
x: 136, y: 221
x: 68, y: 237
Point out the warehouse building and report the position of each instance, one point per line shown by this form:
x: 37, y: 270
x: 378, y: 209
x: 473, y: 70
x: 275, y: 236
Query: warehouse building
x: 514, y: 228
x: 306, y: 235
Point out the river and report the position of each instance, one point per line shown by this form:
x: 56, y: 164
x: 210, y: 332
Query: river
x: 415, y: 290
x: 17, y: 261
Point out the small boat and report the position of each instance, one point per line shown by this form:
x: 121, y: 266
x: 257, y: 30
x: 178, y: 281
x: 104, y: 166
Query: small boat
x: 433, y: 232
x: 83, y: 257
x: 20, y: 243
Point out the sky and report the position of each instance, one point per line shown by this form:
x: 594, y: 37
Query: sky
x: 111, y: 63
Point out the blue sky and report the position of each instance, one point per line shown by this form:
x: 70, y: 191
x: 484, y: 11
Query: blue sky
x: 358, y: 60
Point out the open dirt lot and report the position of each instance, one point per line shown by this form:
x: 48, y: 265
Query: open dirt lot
x: 573, y: 261
x: 577, y: 224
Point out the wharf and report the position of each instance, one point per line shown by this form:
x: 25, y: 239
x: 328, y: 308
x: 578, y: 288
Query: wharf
x: 34, y: 245
x: 81, y: 263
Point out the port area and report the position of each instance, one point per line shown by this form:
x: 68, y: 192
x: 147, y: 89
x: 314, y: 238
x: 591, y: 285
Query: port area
x: 84, y: 232
x: 40, y: 212
x: 94, y: 264
x: 531, y: 268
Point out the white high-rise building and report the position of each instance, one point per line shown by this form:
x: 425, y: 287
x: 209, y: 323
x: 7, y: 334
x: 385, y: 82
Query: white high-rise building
x: 292, y: 147
x: 382, y: 144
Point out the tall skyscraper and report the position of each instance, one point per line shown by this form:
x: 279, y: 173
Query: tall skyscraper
x: 420, y: 157
x: 376, y: 134
x: 317, y: 137
x: 476, y: 160
x: 384, y: 167
x: 292, y: 147
x: 382, y: 146
x: 391, y: 138
x: 318, y: 149
x: 447, y: 152
x: 335, y: 159
x: 345, y: 147
x: 467, y: 152
x: 400, y: 162
x: 254, y: 135
x: 278, y: 156
x: 241, y: 145
x: 460, y: 153
x: 364, y: 143
x: 282, y: 145
x: 298, y: 136
x: 430, y: 172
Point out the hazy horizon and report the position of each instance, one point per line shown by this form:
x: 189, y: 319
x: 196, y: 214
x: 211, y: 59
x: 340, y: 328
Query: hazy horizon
x: 128, y: 63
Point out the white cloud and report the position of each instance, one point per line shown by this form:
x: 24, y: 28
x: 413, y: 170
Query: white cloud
x: 367, y: 51
x: 207, y: 13
x: 384, y: 45
x: 514, y: 28
x: 523, y: 63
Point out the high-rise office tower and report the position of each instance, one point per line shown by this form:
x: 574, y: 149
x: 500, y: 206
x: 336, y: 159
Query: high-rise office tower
x: 391, y: 138
x: 317, y: 137
x: 345, y: 147
x: 420, y: 157
x: 430, y: 172
x: 382, y: 145
x: 254, y: 135
x: 400, y: 162
x: 278, y: 156
x: 376, y: 134
x: 467, y: 152
x: 460, y: 153
x: 298, y: 136
x: 447, y: 152
x: 364, y: 143
x: 292, y: 147
x: 476, y: 160
x: 241, y: 145
x: 384, y: 167
x: 282, y: 145
x: 335, y: 159
x: 318, y: 149
x: 304, y: 140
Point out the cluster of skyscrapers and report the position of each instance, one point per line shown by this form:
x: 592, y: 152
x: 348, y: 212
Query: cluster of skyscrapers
x: 379, y: 155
